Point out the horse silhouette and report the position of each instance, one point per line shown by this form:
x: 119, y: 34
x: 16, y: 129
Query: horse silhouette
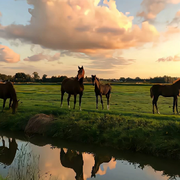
x: 99, y: 159
x: 7, y: 154
x: 73, y: 87
x: 71, y: 159
x: 166, y: 91
x: 101, y: 89
x: 7, y: 91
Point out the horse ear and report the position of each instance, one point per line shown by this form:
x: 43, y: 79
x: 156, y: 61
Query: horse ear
x: 82, y: 67
x: 78, y: 67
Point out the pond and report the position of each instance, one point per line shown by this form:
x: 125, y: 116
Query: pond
x: 37, y: 157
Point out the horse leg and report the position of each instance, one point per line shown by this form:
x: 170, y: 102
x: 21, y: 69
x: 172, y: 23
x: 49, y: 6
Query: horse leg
x: 101, y: 101
x: 10, y: 101
x: 155, y: 99
x: 80, y: 96
x: 177, y: 105
x: 69, y: 95
x: 74, y: 101
x: 62, y: 94
x: 107, y: 96
x: 96, y: 101
x: 4, y: 102
x: 174, y: 103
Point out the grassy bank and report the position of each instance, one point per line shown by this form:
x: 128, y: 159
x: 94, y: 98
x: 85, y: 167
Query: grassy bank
x: 128, y: 125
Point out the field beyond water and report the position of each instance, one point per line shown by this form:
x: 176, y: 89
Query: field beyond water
x: 128, y: 125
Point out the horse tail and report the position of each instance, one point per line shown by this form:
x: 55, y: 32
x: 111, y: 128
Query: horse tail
x: 151, y: 92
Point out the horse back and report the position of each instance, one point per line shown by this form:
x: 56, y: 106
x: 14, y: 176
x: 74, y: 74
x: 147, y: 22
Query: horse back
x: 105, y: 89
x: 6, y: 90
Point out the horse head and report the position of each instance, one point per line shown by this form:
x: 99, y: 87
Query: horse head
x: 93, y: 79
x: 81, y: 73
x: 14, y: 106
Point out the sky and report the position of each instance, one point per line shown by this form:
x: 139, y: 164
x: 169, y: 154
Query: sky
x: 112, y: 39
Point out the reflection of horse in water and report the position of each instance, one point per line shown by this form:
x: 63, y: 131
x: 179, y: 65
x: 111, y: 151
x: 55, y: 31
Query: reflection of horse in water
x: 7, y: 154
x: 99, y: 159
x: 71, y: 159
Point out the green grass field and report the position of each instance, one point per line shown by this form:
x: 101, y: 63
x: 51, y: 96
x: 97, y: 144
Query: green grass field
x: 129, y: 124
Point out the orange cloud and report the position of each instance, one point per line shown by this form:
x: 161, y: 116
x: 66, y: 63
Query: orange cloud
x: 8, y: 55
x: 80, y: 26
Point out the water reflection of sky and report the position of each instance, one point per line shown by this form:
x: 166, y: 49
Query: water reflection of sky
x: 49, y: 163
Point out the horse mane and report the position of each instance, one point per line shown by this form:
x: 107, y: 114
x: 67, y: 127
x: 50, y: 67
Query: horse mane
x: 176, y: 81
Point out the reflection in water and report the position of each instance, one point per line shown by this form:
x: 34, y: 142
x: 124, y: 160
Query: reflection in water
x: 7, y: 154
x: 99, y: 159
x: 72, y: 162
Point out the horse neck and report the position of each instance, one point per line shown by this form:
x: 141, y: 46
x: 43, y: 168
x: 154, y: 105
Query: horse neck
x: 177, y: 84
x: 97, y: 84
x: 81, y: 81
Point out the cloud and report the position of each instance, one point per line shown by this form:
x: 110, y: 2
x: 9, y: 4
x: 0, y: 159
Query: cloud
x: 176, y: 19
x: 41, y: 56
x: 151, y: 8
x: 170, y: 58
x: 80, y: 26
x: 8, y: 55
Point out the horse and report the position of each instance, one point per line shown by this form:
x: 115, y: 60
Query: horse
x: 101, y: 89
x: 7, y: 91
x: 72, y: 159
x: 99, y: 159
x: 166, y: 91
x: 73, y: 86
x: 7, y: 154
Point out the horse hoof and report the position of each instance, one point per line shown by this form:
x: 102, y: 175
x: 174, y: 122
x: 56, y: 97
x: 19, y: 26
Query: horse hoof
x: 159, y: 113
x: 69, y: 107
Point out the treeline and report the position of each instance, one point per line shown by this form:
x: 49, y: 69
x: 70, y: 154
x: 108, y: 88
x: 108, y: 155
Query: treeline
x: 22, y: 77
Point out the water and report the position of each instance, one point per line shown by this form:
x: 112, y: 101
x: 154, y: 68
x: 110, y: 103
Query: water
x: 45, y: 158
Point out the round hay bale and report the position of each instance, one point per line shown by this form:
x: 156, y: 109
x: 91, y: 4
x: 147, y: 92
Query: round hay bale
x: 38, y: 123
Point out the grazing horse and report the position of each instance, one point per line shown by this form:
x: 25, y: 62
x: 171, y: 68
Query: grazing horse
x: 73, y: 87
x: 71, y: 159
x: 7, y: 91
x: 99, y: 159
x: 7, y: 154
x: 166, y: 91
x: 101, y: 89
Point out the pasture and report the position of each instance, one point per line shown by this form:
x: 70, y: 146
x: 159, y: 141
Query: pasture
x: 129, y: 124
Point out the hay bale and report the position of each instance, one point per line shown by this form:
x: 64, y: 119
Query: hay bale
x: 38, y: 123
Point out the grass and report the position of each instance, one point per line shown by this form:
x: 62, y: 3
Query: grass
x: 129, y: 124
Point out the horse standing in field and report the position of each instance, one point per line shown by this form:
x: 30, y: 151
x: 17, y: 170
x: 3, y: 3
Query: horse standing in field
x: 166, y: 91
x: 101, y: 89
x: 7, y: 91
x: 7, y: 154
x: 73, y: 87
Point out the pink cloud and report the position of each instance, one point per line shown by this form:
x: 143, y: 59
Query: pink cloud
x: 170, y: 58
x: 151, y: 8
x: 41, y: 56
x: 80, y: 26
x: 8, y: 55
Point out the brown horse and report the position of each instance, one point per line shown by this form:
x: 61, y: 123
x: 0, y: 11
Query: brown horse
x: 99, y: 159
x: 166, y: 91
x: 71, y: 159
x: 7, y: 154
x: 7, y: 91
x: 73, y: 87
x: 101, y: 89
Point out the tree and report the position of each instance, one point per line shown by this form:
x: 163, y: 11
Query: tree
x: 44, y: 77
x: 36, y: 75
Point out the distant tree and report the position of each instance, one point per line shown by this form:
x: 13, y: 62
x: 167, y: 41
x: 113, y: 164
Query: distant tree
x: 36, y: 76
x: 122, y: 79
x: 44, y: 77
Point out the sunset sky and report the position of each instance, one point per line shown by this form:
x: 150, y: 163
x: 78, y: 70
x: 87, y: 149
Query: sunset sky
x: 112, y: 39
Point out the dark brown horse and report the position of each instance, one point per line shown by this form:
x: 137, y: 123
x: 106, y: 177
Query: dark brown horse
x: 101, y: 89
x: 7, y: 154
x: 73, y: 87
x: 7, y: 91
x: 99, y: 159
x: 71, y: 159
x: 166, y: 91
